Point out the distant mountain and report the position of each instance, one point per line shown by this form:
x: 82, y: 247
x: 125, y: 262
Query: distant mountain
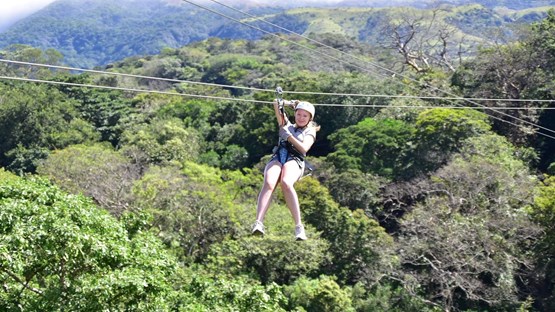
x: 94, y: 32
x: 97, y: 32
x: 423, y: 4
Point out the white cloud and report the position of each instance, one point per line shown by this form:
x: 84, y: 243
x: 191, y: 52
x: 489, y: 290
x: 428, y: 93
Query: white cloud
x: 12, y: 10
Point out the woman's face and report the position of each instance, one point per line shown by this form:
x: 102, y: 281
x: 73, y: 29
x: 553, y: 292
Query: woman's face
x: 302, y: 117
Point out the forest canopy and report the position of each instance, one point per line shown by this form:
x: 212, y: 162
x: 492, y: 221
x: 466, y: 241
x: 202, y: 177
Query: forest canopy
x: 138, y: 201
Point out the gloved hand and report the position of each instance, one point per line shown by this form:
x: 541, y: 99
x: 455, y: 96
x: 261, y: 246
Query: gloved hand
x: 284, y: 132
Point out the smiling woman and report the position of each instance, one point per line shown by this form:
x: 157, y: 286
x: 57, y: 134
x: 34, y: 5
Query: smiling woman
x: 13, y: 11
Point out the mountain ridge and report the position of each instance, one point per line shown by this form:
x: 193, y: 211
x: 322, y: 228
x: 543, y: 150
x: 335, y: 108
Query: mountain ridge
x: 97, y: 32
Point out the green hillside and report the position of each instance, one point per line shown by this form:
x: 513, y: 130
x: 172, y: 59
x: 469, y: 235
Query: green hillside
x: 100, y: 32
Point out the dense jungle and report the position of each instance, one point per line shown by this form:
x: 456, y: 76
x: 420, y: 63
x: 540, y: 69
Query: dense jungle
x: 133, y: 186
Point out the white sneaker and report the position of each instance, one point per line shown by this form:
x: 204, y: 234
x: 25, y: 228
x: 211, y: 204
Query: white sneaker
x: 258, y: 228
x: 299, y: 232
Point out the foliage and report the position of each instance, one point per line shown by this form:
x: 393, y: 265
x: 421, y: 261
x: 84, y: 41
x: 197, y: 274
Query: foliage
x: 26, y: 53
x: 394, y: 149
x: 110, y: 185
x: 441, y: 132
x: 355, y: 189
x: 105, y: 110
x: 520, y: 70
x: 542, y: 42
x: 350, y: 109
x: 319, y: 295
x: 464, y: 248
x: 163, y: 141
x: 543, y: 212
x: 273, y: 259
x: 388, y: 298
x: 60, y: 252
x: 196, y: 206
x: 372, y: 146
x: 35, y: 119
x: 194, y: 113
x: 204, y: 294
x: 360, y: 249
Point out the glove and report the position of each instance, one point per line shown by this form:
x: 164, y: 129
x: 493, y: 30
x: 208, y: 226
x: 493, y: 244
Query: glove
x: 280, y: 103
x: 284, y: 133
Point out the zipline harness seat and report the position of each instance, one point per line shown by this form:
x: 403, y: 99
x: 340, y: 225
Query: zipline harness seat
x: 285, y: 151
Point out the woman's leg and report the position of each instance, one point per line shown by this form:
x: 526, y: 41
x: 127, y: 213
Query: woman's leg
x: 271, y: 177
x: 290, y: 174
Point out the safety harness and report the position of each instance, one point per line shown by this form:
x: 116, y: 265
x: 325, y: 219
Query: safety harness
x: 284, y: 149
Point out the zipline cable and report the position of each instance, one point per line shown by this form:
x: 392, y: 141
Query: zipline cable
x: 272, y: 90
x: 381, y: 67
x: 131, y: 75
x: 73, y: 84
x: 244, y: 100
x: 279, y: 37
x: 356, y: 58
x: 213, y: 97
x: 130, y: 89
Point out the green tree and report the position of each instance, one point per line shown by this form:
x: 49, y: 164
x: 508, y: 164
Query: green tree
x: 522, y: 69
x: 441, y: 132
x: 543, y: 212
x: 355, y: 189
x: 260, y: 128
x: 542, y: 42
x: 26, y: 53
x: 106, y: 110
x: 470, y: 239
x: 192, y: 208
x: 386, y: 297
x: 35, y: 119
x: 372, y: 146
x: 194, y: 113
x: 319, y: 295
x: 62, y: 253
x: 97, y: 171
x: 205, y: 293
x: 360, y: 248
x: 163, y: 141
x: 272, y: 259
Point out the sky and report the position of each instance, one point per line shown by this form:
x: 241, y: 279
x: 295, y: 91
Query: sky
x: 12, y: 10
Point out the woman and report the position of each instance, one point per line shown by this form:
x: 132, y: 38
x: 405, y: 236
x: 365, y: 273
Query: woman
x: 287, y: 164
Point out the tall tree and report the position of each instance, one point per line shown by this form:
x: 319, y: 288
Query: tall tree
x: 62, y: 253
x: 35, y: 119
x: 543, y: 212
x: 372, y: 146
x: 514, y: 71
x: 110, y: 185
x: 470, y: 241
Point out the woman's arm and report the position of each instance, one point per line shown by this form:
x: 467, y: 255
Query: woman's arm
x: 279, y: 115
x: 280, y: 118
x: 303, y: 146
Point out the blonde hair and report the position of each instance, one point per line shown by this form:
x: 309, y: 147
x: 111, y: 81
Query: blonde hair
x: 314, y: 125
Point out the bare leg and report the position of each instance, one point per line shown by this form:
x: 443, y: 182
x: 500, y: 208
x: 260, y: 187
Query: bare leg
x: 271, y: 177
x: 290, y: 174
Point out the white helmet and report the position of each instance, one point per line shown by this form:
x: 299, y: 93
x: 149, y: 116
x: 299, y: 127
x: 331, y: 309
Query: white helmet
x: 307, y: 107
